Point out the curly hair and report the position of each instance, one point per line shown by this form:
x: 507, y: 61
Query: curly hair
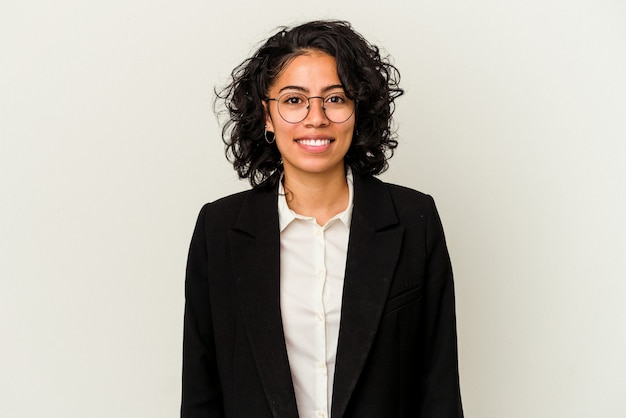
x: 368, y: 78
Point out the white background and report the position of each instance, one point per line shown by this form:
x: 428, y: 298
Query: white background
x: 514, y: 119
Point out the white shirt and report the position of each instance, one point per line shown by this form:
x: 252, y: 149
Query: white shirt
x: 312, y: 268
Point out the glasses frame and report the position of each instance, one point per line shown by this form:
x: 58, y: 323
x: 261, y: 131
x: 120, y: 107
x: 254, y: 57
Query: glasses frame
x: 308, y: 108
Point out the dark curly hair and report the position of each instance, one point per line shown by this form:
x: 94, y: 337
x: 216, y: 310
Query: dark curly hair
x: 368, y: 78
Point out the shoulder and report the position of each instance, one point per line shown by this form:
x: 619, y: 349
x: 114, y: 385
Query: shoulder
x: 406, y: 193
x: 249, y: 207
x: 223, y: 211
x: 416, y: 212
x: 227, y: 203
x: 413, y: 205
x: 401, y: 196
x: 383, y: 204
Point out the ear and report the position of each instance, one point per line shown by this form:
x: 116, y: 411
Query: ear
x: 269, y: 126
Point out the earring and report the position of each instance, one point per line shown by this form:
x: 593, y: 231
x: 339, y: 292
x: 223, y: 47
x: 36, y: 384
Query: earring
x: 265, y: 135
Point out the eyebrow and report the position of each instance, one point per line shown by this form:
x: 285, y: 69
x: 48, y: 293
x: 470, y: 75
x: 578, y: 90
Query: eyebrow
x: 305, y: 90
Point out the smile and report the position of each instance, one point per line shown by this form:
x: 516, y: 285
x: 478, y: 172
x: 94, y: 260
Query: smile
x: 314, y: 142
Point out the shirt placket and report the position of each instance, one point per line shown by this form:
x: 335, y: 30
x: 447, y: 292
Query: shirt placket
x: 321, y: 371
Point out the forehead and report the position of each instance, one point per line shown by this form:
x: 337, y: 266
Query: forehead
x: 310, y: 71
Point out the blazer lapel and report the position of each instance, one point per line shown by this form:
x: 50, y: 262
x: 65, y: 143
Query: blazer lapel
x: 373, y: 250
x: 255, y: 245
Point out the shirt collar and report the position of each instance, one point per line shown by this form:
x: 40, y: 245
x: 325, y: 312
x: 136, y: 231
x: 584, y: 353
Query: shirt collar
x: 286, y: 215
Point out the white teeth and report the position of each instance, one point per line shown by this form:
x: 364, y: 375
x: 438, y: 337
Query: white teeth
x: 314, y: 142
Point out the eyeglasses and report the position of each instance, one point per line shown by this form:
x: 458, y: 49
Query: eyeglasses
x: 295, y: 107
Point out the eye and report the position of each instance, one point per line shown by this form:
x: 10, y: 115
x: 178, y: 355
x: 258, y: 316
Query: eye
x: 293, y: 99
x: 335, y: 99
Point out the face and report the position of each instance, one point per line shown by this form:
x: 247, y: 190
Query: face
x: 316, y: 145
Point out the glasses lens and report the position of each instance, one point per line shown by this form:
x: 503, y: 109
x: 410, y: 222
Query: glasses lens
x: 294, y: 107
x: 338, y: 107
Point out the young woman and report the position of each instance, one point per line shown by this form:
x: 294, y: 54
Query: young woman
x: 322, y: 291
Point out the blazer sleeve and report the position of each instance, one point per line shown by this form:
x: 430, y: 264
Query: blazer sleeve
x: 440, y: 385
x: 201, y: 391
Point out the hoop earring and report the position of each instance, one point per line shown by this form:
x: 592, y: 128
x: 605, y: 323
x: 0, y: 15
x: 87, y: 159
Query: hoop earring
x: 265, y: 135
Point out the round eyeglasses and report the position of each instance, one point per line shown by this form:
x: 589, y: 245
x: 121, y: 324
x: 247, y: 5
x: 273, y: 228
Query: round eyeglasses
x: 294, y: 107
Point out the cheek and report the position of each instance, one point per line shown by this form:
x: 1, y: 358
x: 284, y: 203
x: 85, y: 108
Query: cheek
x: 349, y: 133
x: 283, y: 129
x: 283, y: 138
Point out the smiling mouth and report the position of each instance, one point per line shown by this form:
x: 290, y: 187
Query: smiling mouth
x: 314, y: 142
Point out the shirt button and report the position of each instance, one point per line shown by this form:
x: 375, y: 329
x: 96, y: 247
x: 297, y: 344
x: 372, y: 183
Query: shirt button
x: 318, y: 233
x: 321, y: 414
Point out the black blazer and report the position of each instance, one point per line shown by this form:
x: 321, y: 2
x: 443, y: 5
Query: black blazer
x: 397, y: 353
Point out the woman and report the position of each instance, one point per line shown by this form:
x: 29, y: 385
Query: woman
x: 322, y: 291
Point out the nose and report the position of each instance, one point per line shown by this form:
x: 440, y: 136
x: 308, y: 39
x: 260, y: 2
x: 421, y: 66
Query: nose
x: 316, y: 115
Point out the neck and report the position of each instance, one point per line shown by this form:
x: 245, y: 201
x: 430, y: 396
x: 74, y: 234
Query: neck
x: 320, y: 196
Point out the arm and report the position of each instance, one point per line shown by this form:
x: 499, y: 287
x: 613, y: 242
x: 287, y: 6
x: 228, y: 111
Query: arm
x: 440, y: 387
x: 201, y: 390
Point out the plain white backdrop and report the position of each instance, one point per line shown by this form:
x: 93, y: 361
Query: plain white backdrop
x: 514, y: 119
